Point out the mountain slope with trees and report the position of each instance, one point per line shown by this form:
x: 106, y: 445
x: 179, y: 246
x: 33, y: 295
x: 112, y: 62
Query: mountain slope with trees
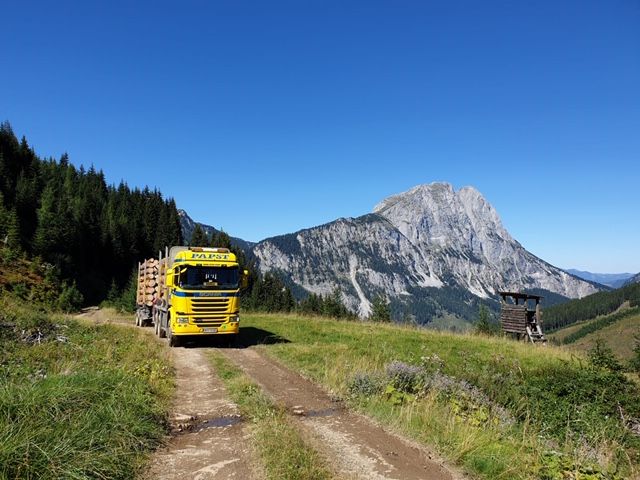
x: 92, y: 233
x: 591, y: 306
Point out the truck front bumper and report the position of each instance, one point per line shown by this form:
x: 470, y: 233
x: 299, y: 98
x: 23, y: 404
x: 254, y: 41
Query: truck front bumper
x: 208, y: 328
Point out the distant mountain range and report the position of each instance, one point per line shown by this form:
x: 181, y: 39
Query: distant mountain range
x: 613, y: 280
x: 432, y: 251
x: 634, y: 279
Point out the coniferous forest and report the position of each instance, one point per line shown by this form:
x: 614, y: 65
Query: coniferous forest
x: 91, y: 232
x: 90, y: 236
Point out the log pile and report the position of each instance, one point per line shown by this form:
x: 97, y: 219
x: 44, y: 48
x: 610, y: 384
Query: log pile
x: 150, y: 278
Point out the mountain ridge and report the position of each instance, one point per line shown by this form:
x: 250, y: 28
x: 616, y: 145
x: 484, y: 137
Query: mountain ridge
x: 613, y: 280
x: 413, y: 244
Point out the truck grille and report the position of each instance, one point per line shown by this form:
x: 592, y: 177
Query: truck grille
x: 209, y: 305
x: 209, y: 321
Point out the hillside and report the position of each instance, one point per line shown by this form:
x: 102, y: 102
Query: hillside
x: 619, y: 336
x: 92, y: 233
x: 634, y: 279
x: 468, y: 396
x: 591, y: 306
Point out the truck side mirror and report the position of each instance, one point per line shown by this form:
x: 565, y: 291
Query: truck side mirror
x: 169, y: 280
x: 244, y: 279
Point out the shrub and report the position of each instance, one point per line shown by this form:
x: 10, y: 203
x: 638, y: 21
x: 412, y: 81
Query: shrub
x: 365, y: 384
x: 70, y: 299
x: 404, y: 377
x: 634, y: 363
x: 602, y: 356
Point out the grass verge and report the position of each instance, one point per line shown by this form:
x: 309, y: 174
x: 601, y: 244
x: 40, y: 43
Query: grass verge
x: 77, y: 401
x: 482, y: 402
x: 283, y: 452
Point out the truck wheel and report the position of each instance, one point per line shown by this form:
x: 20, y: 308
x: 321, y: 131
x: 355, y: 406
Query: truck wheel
x: 162, y: 332
x: 174, y: 341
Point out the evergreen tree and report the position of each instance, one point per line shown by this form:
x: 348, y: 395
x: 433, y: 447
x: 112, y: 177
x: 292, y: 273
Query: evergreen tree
x: 601, y: 356
x: 380, y: 311
x: 484, y: 326
x: 4, y: 219
x: 198, y: 237
x: 13, y: 231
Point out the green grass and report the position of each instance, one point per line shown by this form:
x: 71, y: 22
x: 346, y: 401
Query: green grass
x: 562, y: 408
x: 86, y: 402
x: 283, y: 452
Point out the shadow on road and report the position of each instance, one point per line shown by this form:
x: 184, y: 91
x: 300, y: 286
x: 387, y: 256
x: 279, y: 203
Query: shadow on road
x: 248, y: 337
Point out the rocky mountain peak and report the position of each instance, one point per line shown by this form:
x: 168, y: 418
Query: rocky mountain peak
x: 435, y: 215
x: 431, y: 250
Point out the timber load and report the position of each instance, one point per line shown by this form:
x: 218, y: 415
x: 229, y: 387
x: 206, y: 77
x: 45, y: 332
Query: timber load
x: 148, y: 282
x: 151, y: 274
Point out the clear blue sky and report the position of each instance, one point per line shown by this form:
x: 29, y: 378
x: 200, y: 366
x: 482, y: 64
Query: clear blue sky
x: 267, y: 117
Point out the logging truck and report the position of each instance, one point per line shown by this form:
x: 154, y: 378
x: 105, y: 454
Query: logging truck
x: 190, y: 291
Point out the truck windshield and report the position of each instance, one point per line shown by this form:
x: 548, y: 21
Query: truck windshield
x: 209, y: 278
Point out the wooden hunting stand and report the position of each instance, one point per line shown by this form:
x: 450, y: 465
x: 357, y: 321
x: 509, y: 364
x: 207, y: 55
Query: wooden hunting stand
x: 521, y: 317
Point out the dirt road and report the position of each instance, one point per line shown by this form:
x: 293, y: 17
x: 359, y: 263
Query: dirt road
x: 210, y: 440
x: 359, y: 448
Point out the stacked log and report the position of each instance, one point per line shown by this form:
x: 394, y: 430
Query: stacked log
x: 148, y: 282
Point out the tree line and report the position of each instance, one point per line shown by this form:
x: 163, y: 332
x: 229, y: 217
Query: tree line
x: 90, y: 235
x: 91, y: 232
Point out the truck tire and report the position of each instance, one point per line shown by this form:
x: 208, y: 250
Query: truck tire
x: 162, y: 332
x: 174, y: 340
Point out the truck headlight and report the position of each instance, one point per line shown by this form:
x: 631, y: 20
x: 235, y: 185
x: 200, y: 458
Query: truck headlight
x: 182, y: 320
x: 234, y: 318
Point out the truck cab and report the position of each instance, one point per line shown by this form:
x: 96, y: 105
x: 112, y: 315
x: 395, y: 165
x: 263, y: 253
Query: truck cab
x: 199, y: 293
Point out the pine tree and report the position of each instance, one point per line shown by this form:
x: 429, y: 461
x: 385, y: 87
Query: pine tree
x: 601, y: 356
x: 380, y: 311
x: 484, y: 325
x: 4, y: 219
x: 198, y: 237
x: 13, y: 231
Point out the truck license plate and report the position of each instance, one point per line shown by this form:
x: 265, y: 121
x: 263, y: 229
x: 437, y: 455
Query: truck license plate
x: 210, y: 330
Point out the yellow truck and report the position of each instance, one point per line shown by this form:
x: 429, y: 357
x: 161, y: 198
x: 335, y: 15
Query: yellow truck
x: 190, y: 291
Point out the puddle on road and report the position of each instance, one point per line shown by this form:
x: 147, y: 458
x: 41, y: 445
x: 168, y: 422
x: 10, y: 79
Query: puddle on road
x: 219, y: 422
x: 197, y: 425
x: 327, y: 412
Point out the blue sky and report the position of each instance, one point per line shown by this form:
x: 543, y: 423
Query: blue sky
x: 267, y: 117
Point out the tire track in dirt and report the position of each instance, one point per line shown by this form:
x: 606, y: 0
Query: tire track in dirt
x: 208, y: 438
x: 357, y: 447
x: 209, y: 441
